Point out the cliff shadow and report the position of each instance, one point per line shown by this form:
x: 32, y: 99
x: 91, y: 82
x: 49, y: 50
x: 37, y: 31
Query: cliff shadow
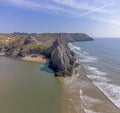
x: 46, y: 68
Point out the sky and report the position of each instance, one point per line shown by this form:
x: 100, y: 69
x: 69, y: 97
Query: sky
x: 97, y: 18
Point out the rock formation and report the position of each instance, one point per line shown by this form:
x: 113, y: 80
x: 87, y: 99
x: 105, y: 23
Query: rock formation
x: 61, y: 58
x: 28, y: 40
x: 51, y: 45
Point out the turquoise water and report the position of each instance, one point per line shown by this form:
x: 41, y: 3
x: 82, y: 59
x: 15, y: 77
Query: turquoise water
x: 27, y: 87
x: 101, y: 60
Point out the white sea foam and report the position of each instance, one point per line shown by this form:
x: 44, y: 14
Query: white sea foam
x: 93, y: 70
x: 90, y: 68
x: 89, y: 101
x: 112, y: 91
x: 98, y: 77
x: 88, y: 59
x: 85, y: 52
x: 83, y: 56
x: 81, y: 92
x: 89, y: 111
x: 74, y: 47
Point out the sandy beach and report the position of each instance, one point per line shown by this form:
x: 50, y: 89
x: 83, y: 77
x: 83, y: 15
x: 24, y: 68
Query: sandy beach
x: 85, y: 97
x: 72, y: 100
x: 66, y: 104
x: 38, y: 59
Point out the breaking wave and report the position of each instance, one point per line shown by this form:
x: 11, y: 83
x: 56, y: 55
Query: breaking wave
x: 98, y: 77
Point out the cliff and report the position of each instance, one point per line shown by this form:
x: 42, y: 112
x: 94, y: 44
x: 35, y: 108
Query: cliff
x: 61, y: 58
x: 52, y: 45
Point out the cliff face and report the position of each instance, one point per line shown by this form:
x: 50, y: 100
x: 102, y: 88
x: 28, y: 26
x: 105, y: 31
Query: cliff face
x: 52, y: 45
x: 72, y: 37
x: 61, y: 58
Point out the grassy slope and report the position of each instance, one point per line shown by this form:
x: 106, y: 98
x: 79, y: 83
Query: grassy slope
x: 41, y: 41
x: 7, y: 40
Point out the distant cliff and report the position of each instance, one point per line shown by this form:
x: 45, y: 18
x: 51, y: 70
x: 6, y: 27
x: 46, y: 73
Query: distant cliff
x: 52, y: 45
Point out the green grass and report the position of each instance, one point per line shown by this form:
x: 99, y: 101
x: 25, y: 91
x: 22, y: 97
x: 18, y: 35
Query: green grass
x: 35, y: 46
x: 19, y: 43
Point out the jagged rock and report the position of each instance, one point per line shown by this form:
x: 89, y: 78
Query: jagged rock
x: 61, y: 58
x: 21, y: 53
x: 28, y: 40
x: 13, y: 52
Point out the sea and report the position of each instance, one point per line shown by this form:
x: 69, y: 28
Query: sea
x: 95, y: 84
x: 94, y: 87
x: 27, y: 87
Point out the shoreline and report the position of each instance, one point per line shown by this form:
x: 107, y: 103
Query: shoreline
x: 37, y: 59
x: 85, y: 96
x: 68, y: 98
x: 66, y: 105
x: 30, y: 58
x: 2, y: 54
x: 65, y: 102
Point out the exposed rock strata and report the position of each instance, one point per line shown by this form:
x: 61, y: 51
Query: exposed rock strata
x: 52, y: 45
x: 61, y: 58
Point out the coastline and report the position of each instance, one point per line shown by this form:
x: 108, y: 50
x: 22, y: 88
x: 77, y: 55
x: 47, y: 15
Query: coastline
x: 27, y: 87
x: 38, y: 59
x: 85, y: 96
x: 74, y: 101
x: 62, y: 61
x: 66, y: 105
x: 30, y: 58
x: 69, y: 99
x: 65, y: 102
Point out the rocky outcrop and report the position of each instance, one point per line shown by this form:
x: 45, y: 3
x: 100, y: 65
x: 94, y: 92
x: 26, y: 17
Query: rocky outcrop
x: 13, y: 52
x: 72, y: 37
x: 51, y: 45
x: 28, y: 40
x: 61, y: 58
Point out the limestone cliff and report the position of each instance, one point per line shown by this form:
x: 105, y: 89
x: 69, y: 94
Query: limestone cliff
x: 61, y: 58
x: 52, y: 45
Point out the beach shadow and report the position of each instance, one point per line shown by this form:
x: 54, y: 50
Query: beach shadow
x: 46, y: 68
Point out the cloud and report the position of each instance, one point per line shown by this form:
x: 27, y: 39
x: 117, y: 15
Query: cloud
x: 59, y: 5
x: 101, y: 9
x: 98, y: 10
x: 23, y: 3
x: 107, y: 20
x: 31, y: 4
x: 74, y: 4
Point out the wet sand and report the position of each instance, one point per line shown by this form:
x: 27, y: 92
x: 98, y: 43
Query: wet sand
x: 89, y: 100
x: 85, y: 96
x: 66, y: 104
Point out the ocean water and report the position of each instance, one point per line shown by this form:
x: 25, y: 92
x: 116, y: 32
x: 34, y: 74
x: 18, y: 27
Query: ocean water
x: 101, y: 61
x: 27, y: 87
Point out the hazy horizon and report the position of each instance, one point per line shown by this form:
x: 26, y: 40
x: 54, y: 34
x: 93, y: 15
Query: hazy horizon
x: 95, y: 18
